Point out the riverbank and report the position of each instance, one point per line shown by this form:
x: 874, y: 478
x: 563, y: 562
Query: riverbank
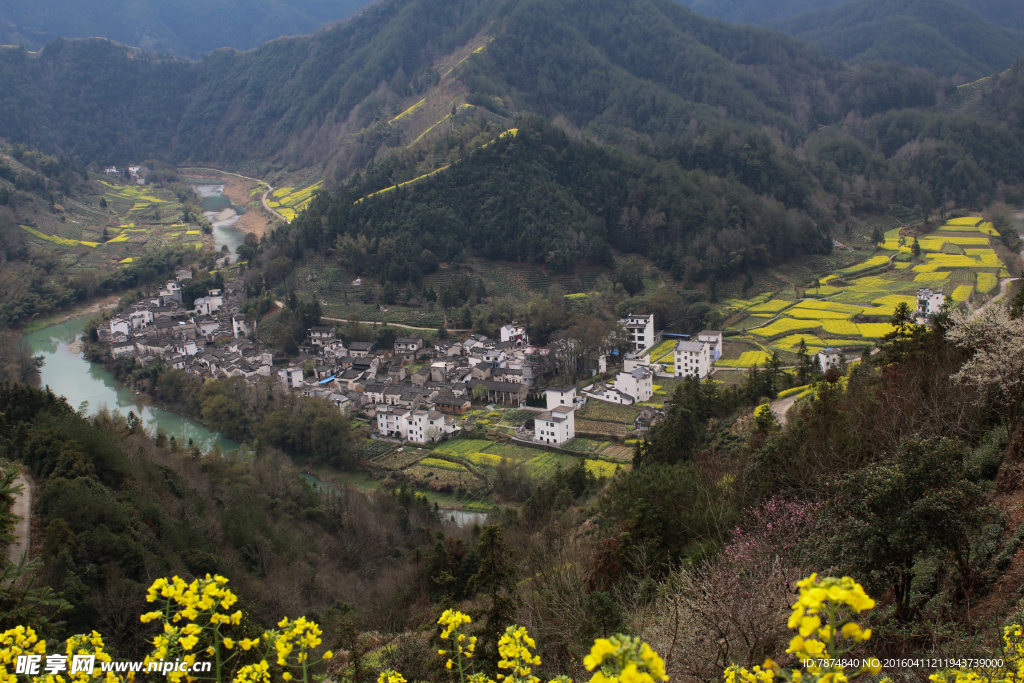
x: 239, y: 190
x: 97, y: 306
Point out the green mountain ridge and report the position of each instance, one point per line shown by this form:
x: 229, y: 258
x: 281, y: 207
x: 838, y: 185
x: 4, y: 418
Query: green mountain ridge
x: 189, y: 28
x: 939, y: 35
x: 621, y: 68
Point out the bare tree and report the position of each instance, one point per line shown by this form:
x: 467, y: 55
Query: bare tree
x: 707, y: 619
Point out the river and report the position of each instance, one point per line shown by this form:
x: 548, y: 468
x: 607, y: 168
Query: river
x: 70, y: 375
x: 221, y: 212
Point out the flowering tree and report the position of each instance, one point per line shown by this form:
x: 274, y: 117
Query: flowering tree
x: 996, y: 366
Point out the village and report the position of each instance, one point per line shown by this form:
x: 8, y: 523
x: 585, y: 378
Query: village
x: 412, y: 391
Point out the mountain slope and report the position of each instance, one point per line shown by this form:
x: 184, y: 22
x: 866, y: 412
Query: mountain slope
x: 185, y: 27
x: 620, y: 67
x: 1005, y: 13
x: 939, y: 35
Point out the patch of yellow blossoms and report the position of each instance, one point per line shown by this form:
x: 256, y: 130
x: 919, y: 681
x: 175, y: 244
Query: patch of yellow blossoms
x: 821, y: 635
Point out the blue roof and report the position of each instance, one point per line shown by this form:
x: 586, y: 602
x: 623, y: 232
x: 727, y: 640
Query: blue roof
x: 325, y: 381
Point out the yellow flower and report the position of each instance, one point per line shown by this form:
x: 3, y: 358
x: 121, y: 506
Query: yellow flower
x: 328, y: 655
x: 228, y: 643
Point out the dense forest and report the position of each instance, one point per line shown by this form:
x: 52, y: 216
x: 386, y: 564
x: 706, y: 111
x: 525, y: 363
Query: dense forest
x: 942, y: 36
x: 647, y: 66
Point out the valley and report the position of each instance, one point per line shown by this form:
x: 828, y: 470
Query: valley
x: 464, y: 341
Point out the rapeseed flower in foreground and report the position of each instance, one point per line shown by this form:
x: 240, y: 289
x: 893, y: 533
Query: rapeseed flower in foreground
x: 625, y: 660
x: 1012, y: 670
x: 818, y: 616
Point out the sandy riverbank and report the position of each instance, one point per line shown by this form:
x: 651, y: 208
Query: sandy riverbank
x: 255, y: 219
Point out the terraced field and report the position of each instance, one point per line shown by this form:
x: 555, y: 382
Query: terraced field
x: 454, y: 461
x: 134, y: 217
x: 289, y: 202
x: 851, y: 307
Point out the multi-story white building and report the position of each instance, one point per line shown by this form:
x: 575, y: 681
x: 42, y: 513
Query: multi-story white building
x: 714, y: 338
x: 930, y: 303
x: 639, y: 383
x: 640, y: 330
x: 555, y: 426
x: 391, y: 421
x: 830, y: 358
x: 693, y: 359
x: 418, y: 426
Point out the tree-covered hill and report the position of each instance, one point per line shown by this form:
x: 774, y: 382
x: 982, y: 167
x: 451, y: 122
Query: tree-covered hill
x: 1006, y: 13
x: 617, y: 67
x: 939, y: 35
x: 185, y: 27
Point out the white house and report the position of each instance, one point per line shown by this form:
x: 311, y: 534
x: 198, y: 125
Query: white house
x: 408, y: 345
x: 391, y: 421
x: 930, y: 303
x: 830, y: 358
x: 693, y: 359
x: 118, y: 325
x: 638, y: 383
x: 422, y: 426
x: 290, y: 377
x: 714, y: 338
x: 560, y: 396
x: 555, y: 426
x: 210, y: 304
x: 515, y: 333
x: 640, y: 329
x: 122, y: 349
x: 320, y: 335
x: 609, y: 394
x: 239, y: 328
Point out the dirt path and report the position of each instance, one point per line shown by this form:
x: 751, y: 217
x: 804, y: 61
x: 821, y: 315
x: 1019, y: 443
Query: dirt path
x: 22, y: 528
x: 782, y: 406
x: 1004, y: 286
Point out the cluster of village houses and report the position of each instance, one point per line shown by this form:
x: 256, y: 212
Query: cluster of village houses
x: 413, y: 393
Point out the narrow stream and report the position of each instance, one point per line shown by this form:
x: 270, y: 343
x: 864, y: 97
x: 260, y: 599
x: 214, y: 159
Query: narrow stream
x: 221, y: 212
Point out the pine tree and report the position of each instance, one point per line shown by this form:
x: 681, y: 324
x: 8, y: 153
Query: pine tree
x: 496, y: 579
x: 916, y: 248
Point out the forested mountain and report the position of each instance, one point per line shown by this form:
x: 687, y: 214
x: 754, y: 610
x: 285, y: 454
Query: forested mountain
x: 942, y: 36
x: 185, y: 27
x: 616, y: 67
x: 1005, y: 13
